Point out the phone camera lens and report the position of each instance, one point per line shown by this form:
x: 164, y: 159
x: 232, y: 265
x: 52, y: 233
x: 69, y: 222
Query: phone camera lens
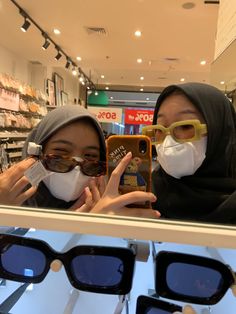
x: 142, y: 147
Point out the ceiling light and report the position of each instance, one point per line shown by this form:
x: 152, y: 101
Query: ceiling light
x: 182, y: 79
x: 83, y: 83
x: 96, y: 93
x: 102, y: 76
x: 147, y: 98
x: 138, y: 33
x: 139, y: 60
x: 79, y: 58
x: 106, y: 87
x: 56, y: 31
x: 74, y: 72
x: 222, y: 82
x: 81, y: 79
x: 88, y: 87
x: 141, y: 89
x: 203, y: 62
x: 111, y: 97
x: 46, y: 44
x: 25, y: 25
x: 141, y: 78
x: 58, y: 56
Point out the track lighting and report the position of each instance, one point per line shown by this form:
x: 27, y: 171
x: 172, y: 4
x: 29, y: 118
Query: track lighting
x: 28, y: 21
x: 26, y: 25
x: 58, y: 56
x: 46, y: 44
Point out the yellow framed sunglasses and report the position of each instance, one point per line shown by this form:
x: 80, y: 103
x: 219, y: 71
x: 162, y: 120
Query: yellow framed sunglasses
x: 181, y: 131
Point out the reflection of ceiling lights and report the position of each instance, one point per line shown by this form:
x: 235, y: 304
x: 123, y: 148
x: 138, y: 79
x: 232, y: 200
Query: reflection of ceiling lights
x: 139, y: 60
x: 102, y: 76
x: 141, y: 89
x: 203, y: 62
x: 56, y: 31
x: 141, y: 78
x: 222, y: 82
x: 79, y: 58
x: 182, y: 79
x: 106, y: 87
x: 138, y: 33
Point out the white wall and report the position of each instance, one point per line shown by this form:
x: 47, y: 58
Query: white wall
x: 36, y: 74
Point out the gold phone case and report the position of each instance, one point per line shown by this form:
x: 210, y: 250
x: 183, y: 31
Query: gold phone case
x: 137, y: 176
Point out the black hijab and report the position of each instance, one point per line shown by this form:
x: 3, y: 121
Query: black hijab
x: 51, y: 123
x: 209, y: 194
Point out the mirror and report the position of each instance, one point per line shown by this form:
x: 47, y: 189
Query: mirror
x: 23, y: 58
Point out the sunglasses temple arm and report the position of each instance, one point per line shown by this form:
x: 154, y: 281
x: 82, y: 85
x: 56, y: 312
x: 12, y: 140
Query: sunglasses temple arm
x: 9, y: 302
x: 120, y: 305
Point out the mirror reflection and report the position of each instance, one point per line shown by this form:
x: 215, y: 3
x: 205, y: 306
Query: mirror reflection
x: 52, y: 126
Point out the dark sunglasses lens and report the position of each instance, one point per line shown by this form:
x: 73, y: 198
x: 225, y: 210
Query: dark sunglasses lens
x: 152, y: 310
x: 93, y: 168
x: 193, y: 280
x: 58, y: 164
x: 23, y: 260
x: 97, y: 270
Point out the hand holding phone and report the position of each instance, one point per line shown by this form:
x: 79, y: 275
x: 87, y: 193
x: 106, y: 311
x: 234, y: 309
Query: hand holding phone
x: 137, y: 175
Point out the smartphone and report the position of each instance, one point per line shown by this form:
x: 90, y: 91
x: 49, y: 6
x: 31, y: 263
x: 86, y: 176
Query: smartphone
x: 137, y: 175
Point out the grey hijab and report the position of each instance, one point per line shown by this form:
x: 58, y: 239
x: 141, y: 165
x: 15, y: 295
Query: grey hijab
x: 52, y: 122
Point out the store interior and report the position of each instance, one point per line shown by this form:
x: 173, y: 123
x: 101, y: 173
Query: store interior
x: 125, y: 51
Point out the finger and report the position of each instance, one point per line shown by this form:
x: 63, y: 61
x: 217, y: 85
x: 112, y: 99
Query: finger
x: 88, y: 202
x: 15, y: 172
x: 80, y: 201
x: 25, y: 195
x: 101, y: 185
x: 95, y: 194
x: 132, y: 197
x: 114, y: 181
x: 19, y: 186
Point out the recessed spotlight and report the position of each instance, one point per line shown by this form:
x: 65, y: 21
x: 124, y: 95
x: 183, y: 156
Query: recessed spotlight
x: 106, y: 87
x: 79, y: 58
x: 138, y: 33
x: 222, y: 82
x: 139, y: 60
x: 56, y: 31
x: 74, y: 72
x: 141, y: 89
x: 141, y: 78
x: 182, y: 79
x: 203, y: 62
x: 102, y: 76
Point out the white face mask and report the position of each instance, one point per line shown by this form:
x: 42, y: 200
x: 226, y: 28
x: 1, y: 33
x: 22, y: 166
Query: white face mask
x: 181, y: 159
x: 67, y: 186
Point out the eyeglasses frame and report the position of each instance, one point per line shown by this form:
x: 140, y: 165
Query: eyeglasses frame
x: 76, y: 163
x: 200, y: 129
x: 165, y: 258
x: 144, y: 302
x: 126, y: 255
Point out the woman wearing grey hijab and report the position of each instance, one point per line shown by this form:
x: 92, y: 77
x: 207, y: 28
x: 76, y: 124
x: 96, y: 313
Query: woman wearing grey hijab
x: 66, y: 131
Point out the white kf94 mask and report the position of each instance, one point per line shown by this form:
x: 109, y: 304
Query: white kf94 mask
x: 67, y: 186
x: 181, y: 159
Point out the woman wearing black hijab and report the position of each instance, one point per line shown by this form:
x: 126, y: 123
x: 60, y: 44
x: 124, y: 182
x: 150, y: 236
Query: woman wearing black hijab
x: 196, y: 180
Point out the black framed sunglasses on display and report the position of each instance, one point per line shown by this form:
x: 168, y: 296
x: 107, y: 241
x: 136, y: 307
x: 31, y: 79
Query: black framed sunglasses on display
x: 99, y: 269
x: 192, y: 279
x: 63, y: 164
x: 150, y: 305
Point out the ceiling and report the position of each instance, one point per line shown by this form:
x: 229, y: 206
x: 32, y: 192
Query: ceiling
x: 176, y: 36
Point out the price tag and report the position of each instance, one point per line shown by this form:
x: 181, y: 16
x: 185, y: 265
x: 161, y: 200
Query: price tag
x: 36, y: 173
